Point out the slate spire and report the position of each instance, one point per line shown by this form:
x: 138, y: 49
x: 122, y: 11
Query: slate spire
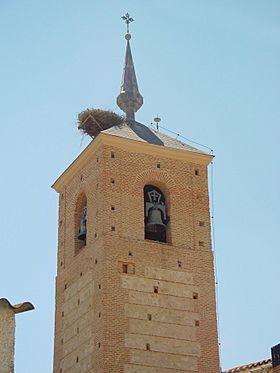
x: 129, y: 100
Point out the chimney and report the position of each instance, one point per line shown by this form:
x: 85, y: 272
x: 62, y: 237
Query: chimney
x: 7, y: 332
x: 275, y: 354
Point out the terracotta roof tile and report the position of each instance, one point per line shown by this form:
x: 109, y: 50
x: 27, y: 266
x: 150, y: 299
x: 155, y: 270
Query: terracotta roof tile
x: 249, y: 366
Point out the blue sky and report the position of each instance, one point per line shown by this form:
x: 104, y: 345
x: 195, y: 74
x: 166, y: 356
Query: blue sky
x: 210, y: 70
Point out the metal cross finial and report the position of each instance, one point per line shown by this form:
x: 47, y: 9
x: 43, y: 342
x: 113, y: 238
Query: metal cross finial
x: 127, y: 20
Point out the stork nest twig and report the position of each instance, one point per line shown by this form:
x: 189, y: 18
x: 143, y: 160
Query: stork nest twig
x: 93, y: 121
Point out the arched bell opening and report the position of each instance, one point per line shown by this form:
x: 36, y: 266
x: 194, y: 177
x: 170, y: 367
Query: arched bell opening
x: 155, y: 214
x: 80, y: 222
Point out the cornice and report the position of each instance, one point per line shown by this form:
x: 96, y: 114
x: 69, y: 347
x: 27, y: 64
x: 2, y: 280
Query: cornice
x: 131, y: 146
x: 158, y: 150
x: 77, y: 164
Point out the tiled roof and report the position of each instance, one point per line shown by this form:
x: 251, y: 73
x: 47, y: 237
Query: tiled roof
x: 249, y: 366
x: 139, y: 132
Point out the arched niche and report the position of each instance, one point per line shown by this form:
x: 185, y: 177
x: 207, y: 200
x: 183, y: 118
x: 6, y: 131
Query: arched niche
x: 155, y: 214
x: 80, y: 222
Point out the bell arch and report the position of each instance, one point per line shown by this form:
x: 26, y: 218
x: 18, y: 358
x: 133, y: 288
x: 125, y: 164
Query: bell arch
x: 80, y: 222
x: 155, y: 214
x: 161, y: 179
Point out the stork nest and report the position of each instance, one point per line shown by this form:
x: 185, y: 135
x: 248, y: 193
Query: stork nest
x: 93, y: 121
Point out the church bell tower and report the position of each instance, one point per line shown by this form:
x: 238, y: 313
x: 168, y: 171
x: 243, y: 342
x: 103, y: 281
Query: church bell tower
x: 135, y: 290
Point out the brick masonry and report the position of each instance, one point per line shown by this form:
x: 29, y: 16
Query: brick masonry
x: 7, y: 340
x: 110, y: 321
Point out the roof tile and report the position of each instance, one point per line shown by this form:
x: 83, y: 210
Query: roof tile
x: 137, y: 131
x: 249, y: 366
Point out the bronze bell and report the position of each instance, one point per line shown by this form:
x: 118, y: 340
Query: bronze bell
x: 83, y: 226
x: 155, y: 223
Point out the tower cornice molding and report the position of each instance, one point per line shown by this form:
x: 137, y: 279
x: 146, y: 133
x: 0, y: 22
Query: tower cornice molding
x: 129, y: 145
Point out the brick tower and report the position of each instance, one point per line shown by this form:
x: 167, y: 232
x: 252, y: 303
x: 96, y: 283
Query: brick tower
x: 135, y: 279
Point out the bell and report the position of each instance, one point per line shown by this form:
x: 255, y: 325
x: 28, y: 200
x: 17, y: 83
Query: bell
x: 83, y: 226
x: 155, y: 223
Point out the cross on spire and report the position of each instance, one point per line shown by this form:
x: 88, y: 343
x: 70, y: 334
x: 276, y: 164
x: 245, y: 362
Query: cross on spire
x: 127, y: 20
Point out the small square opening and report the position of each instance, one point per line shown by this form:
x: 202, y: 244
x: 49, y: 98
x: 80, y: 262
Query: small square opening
x: 112, y: 181
x: 197, y: 172
x: 195, y: 295
x: 201, y: 243
x: 179, y: 264
x: 156, y: 289
x: 113, y: 208
x: 201, y: 223
x: 148, y: 347
x: 149, y: 316
x: 112, y: 155
x: 158, y: 165
x: 125, y: 268
x: 196, y: 323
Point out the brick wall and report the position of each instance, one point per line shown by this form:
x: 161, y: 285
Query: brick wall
x: 109, y: 321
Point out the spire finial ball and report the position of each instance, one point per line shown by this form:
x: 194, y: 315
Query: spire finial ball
x: 157, y: 119
x: 127, y: 36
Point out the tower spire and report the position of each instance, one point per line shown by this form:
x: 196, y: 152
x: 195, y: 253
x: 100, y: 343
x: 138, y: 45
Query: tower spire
x: 129, y: 100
